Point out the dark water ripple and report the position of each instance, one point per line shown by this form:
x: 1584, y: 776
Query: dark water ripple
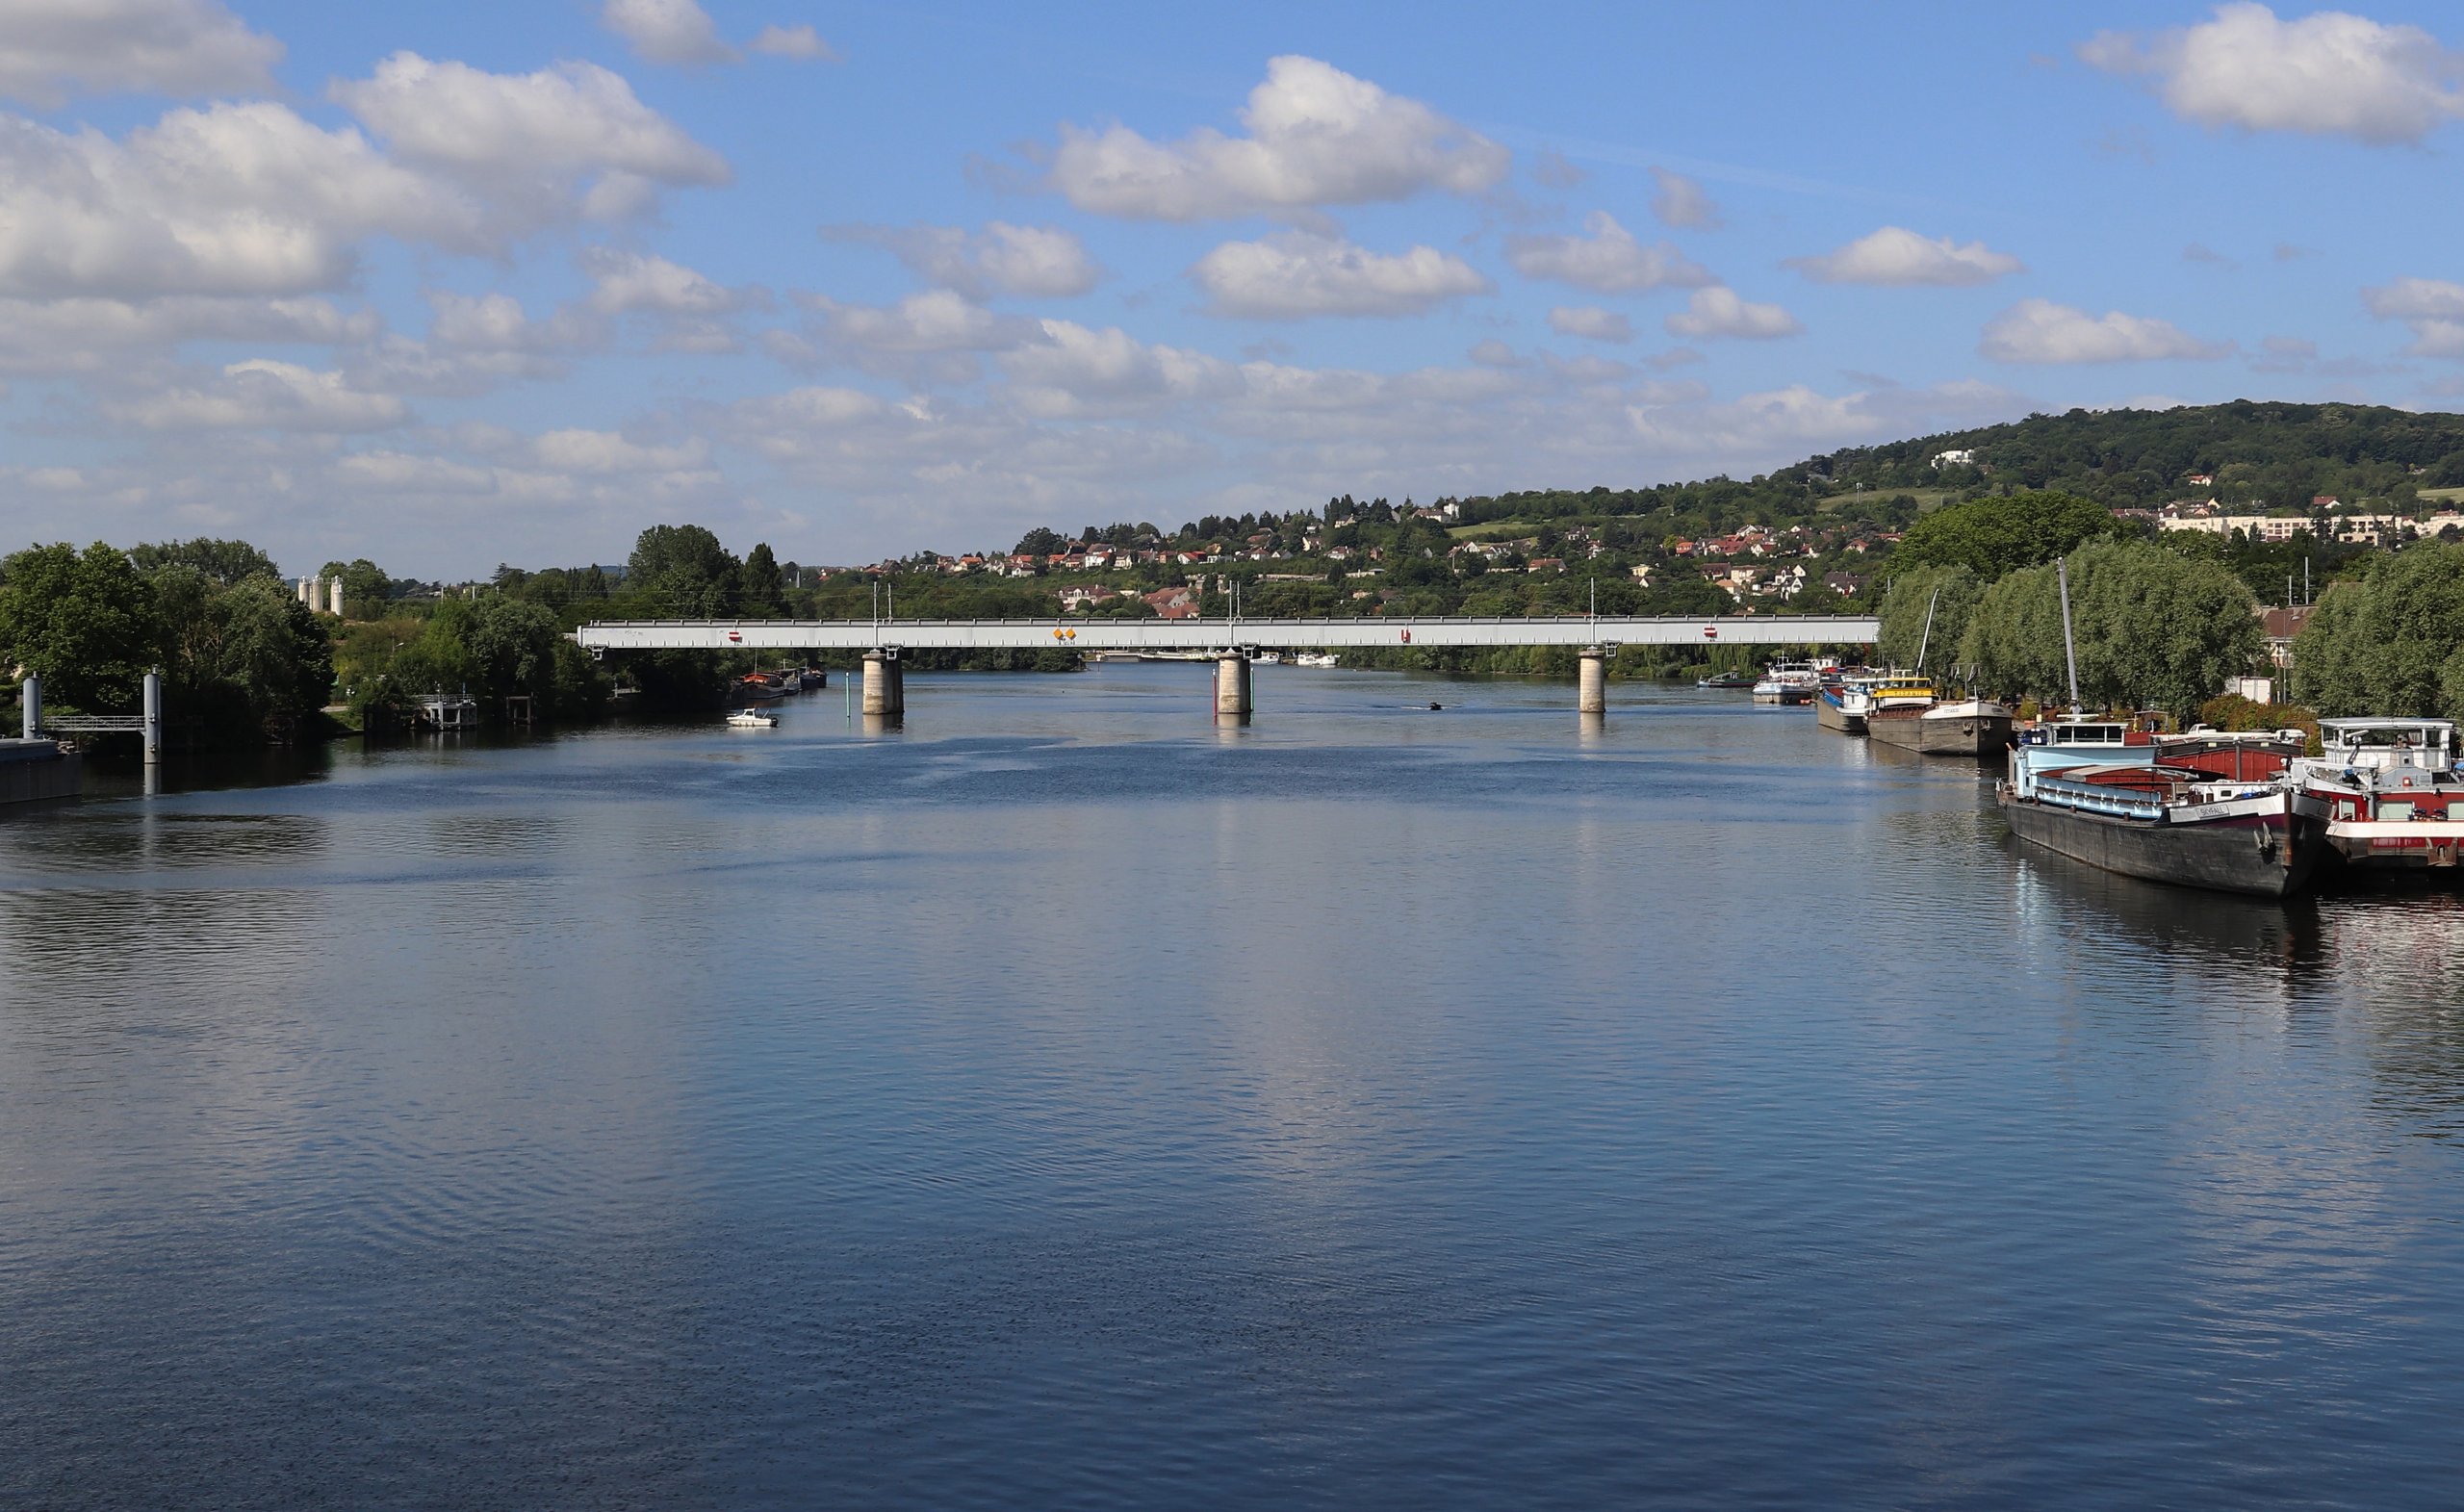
x: 1062, y: 1103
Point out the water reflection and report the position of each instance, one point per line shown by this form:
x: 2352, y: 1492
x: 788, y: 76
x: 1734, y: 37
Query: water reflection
x: 1071, y: 1101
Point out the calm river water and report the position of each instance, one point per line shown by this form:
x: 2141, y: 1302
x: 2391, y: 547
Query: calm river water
x: 1064, y: 1104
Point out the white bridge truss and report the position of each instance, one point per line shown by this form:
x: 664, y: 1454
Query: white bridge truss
x: 1100, y: 634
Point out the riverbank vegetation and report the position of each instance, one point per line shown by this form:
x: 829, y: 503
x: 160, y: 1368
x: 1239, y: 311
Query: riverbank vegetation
x: 1960, y: 527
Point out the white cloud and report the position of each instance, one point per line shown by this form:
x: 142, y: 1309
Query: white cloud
x: 1680, y: 202
x: 1894, y: 255
x: 2329, y: 74
x: 625, y: 282
x: 666, y: 31
x: 1785, y: 424
x: 497, y: 322
x: 1591, y: 322
x: 2041, y: 332
x: 609, y: 452
x: 800, y: 42
x: 88, y: 336
x: 517, y: 133
x: 1317, y: 137
x: 1043, y: 261
x: 1297, y: 275
x: 51, y: 49
x: 1491, y: 353
x: 264, y: 394
x: 1074, y: 371
x: 1717, y: 311
x: 2431, y: 308
x: 1606, y: 260
x: 229, y: 199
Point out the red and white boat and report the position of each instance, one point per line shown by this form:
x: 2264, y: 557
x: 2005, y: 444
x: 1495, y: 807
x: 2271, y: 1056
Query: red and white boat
x: 2394, y: 800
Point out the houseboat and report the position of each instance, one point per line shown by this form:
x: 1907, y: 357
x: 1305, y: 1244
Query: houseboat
x: 1845, y: 699
x: 2098, y: 792
x: 1907, y: 714
x: 2393, y: 800
x: 1787, y: 682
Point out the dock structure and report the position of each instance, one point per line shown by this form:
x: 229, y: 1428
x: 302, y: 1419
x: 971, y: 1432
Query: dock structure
x: 146, y: 726
x: 1233, y: 641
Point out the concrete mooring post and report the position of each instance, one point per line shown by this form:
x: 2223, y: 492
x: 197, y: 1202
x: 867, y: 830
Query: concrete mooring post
x: 885, y: 684
x: 1591, y: 690
x: 153, y: 734
x: 1232, y: 686
x: 31, y: 695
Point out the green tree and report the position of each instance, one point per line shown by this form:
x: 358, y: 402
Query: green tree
x: 224, y: 562
x: 762, y: 586
x: 684, y: 570
x: 276, y: 659
x: 83, y: 620
x: 2388, y: 644
x: 509, y: 646
x: 2153, y: 629
x: 1997, y: 535
x: 1913, y: 596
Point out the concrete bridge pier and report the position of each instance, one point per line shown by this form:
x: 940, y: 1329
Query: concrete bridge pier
x: 31, y: 694
x: 885, y: 684
x: 1232, y: 687
x: 1591, y: 689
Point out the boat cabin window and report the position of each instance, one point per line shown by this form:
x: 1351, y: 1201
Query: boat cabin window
x: 2084, y: 734
x: 2391, y: 809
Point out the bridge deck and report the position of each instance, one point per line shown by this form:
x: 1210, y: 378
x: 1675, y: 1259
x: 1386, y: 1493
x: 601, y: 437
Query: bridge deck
x: 1100, y: 634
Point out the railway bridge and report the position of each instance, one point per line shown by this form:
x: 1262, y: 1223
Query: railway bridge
x: 1232, y: 641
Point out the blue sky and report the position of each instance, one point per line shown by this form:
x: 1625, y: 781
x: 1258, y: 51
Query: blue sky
x: 457, y: 284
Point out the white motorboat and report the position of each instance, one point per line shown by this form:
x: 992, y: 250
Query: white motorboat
x: 752, y: 719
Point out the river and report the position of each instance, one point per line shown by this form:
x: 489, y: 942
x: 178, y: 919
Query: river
x: 1064, y: 1103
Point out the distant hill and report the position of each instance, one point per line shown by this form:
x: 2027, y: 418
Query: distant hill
x: 2259, y: 455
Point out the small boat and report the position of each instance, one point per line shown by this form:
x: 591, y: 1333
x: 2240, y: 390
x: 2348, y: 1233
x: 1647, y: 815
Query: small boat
x: 808, y: 679
x: 2098, y: 792
x: 1787, y: 682
x: 2393, y: 799
x: 1726, y: 679
x: 761, y: 687
x: 1315, y: 659
x: 752, y: 719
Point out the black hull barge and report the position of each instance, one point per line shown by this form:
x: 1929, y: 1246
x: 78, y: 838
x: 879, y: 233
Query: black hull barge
x: 2266, y: 845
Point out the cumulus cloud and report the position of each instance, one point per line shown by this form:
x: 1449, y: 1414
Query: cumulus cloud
x: 666, y: 31
x: 1606, y: 260
x: 2431, y: 308
x: 53, y: 49
x: 1784, y: 422
x: 229, y: 199
x: 1297, y: 275
x: 265, y: 395
x: 1074, y: 371
x: 625, y: 282
x: 88, y: 336
x: 574, y: 124
x: 1895, y: 255
x: 2329, y: 74
x: 2041, y: 332
x: 800, y: 42
x: 1043, y: 262
x: 1717, y: 312
x: 1682, y: 202
x: 575, y: 451
x: 1316, y: 136
x: 1591, y: 322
